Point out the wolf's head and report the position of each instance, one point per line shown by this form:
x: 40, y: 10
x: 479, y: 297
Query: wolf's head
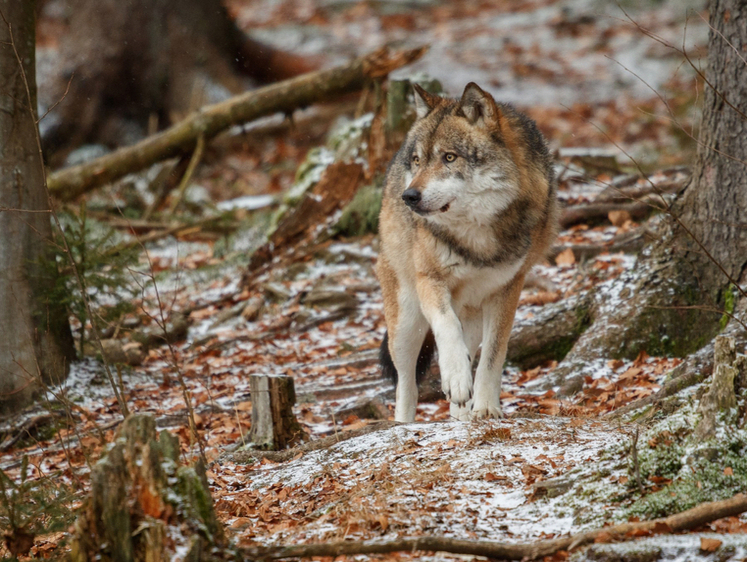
x: 458, y: 159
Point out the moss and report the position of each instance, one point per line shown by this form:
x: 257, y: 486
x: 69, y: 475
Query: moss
x: 730, y: 299
x: 197, y: 504
x: 704, y: 479
x: 361, y: 216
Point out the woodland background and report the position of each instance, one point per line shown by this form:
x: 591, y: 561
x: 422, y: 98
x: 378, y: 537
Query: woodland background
x: 189, y: 198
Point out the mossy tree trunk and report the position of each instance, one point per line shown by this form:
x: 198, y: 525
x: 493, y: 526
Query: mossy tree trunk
x: 681, y: 292
x: 35, y: 340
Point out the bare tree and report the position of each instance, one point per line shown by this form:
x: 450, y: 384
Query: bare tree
x: 35, y: 338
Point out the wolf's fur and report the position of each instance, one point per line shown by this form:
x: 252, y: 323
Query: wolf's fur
x: 469, y: 206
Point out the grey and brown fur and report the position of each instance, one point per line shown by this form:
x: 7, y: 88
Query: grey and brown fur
x: 469, y: 206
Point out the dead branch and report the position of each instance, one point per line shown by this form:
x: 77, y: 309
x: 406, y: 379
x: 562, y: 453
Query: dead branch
x: 575, y: 214
x: 251, y: 455
x: 628, y: 242
x: 686, y: 520
x: 286, y: 96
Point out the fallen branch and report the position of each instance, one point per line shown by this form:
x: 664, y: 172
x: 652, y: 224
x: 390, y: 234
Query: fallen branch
x: 286, y: 96
x: 690, y: 519
x: 251, y: 455
x: 599, y: 211
x: 628, y: 242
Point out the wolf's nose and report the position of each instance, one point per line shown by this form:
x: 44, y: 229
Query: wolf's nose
x: 411, y: 197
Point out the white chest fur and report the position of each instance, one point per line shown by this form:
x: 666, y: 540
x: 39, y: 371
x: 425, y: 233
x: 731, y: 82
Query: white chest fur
x: 471, y: 285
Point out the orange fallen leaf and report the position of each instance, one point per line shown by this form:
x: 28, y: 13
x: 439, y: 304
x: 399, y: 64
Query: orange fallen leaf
x: 728, y: 471
x: 566, y: 257
x: 709, y: 545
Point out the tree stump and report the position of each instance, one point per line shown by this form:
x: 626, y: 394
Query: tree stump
x: 143, y: 505
x: 719, y: 403
x: 273, y: 424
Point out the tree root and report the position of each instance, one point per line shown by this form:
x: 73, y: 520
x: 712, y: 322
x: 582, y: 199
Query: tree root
x: 690, y: 519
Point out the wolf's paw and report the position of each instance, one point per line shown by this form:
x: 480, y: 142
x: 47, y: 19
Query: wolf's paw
x: 486, y: 412
x: 456, y: 378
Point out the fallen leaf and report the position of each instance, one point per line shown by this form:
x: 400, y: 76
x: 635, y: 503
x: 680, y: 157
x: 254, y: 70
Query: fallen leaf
x: 728, y: 471
x: 709, y: 545
x: 619, y: 218
x: 566, y: 257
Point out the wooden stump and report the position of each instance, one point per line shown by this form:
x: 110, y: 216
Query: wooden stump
x: 144, y: 505
x: 273, y: 424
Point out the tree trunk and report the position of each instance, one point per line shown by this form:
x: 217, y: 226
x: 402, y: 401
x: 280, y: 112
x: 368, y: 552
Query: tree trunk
x: 139, y: 62
x: 35, y: 339
x: 681, y: 292
x: 713, y: 205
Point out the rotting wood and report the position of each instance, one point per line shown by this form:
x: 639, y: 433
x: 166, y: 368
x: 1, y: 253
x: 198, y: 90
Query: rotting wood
x: 286, y: 96
x: 273, y: 424
x: 686, y: 520
x: 333, y: 191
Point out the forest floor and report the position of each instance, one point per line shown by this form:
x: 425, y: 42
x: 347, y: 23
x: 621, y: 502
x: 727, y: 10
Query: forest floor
x: 556, y: 465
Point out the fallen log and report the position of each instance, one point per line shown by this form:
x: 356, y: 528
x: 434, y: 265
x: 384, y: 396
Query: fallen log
x: 286, y: 96
x: 690, y: 519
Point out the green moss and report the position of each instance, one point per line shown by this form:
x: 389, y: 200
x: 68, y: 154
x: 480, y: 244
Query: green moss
x: 730, y: 299
x: 361, y: 216
x: 196, y: 502
x: 704, y: 479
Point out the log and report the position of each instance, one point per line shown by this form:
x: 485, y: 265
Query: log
x: 690, y: 519
x: 286, y: 96
x: 274, y: 426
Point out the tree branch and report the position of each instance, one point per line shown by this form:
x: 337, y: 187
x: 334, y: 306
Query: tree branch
x: 690, y: 519
x: 286, y: 96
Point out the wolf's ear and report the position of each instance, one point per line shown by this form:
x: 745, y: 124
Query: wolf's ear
x: 478, y: 106
x: 424, y: 101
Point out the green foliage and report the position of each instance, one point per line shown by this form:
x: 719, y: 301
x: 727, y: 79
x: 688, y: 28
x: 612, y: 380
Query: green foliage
x: 106, y: 276
x: 35, y: 506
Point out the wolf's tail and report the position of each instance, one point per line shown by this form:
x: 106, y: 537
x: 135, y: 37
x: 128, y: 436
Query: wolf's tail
x: 424, y: 358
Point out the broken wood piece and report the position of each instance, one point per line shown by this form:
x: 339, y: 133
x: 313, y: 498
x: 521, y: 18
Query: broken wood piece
x: 334, y: 190
x: 286, y: 96
x: 274, y: 426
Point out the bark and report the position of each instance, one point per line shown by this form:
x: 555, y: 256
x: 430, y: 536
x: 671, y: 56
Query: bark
x: 684, y: 286
x: 286, y: 96
x: 273, y: 424
x: 690, y: 519
x: 713, y: 204
x: 135, y: 60
x: 35, y: 338
x: 144, y: 505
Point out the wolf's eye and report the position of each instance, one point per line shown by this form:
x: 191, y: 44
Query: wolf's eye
x: 450, y: 157
x: 416, y: 159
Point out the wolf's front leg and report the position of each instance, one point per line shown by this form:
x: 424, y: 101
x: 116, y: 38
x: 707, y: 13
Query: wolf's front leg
x: 498, y: 317
x: 407, y: 331
x: 454, y: 360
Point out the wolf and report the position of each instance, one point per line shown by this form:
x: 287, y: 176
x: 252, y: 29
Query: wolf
x: 468, y: 207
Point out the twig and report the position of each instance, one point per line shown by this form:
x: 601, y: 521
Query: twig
x: 182, y: 189
x: 689, y: 519
x: 636, y: 464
